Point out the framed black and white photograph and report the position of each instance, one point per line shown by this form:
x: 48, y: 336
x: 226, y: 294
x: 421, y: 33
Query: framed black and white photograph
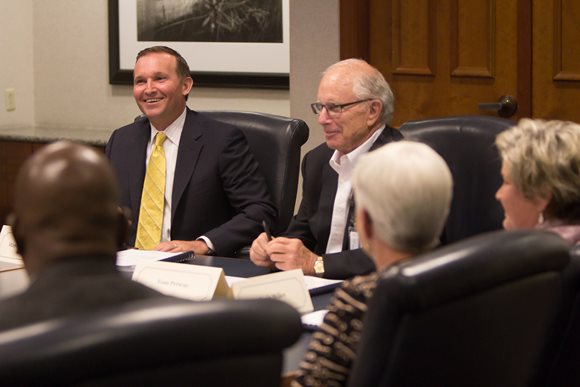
x: 227, y: 43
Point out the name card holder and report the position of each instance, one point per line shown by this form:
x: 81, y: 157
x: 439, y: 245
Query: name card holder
x: 287, y: 286
x: 194, y: 282
x: 9, y: 258
x: 203, y: 283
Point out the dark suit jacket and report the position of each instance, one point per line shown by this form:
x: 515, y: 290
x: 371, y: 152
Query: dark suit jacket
x: 72, y: 286
x: 312, y: 223
x: 218, y: 190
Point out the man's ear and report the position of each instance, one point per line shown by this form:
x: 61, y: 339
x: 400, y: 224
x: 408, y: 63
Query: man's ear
x: 374, y: 112
x: 122, y: 227
x: 187, y: 85
x: 12, y: 221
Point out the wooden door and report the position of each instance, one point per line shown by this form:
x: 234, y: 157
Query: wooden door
x: 445, y: 57
x: 556, y: 59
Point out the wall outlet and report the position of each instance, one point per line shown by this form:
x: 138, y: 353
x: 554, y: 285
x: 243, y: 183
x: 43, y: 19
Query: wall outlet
x: 10, y: 99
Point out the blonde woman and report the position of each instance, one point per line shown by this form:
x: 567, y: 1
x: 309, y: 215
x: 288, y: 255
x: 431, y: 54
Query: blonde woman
x: 541, y: 177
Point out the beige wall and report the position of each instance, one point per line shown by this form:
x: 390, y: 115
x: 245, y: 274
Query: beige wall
x: 16, y: 61
x: 314, y: 45
x: 55, y: 54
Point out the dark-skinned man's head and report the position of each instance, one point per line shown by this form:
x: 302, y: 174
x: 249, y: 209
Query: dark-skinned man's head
x: 66, y: 206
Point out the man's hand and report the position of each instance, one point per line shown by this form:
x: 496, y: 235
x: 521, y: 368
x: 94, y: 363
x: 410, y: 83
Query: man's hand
x: 290, y: 253
x: 258, y: 253
x: 199, y: 247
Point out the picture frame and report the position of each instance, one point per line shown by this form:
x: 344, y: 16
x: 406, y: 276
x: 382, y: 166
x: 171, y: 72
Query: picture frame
x: 212, y: 64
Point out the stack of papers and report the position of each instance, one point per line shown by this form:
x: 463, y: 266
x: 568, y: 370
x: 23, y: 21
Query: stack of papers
x: 132, y: 257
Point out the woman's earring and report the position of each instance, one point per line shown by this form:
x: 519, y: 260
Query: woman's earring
x: 540, y: 218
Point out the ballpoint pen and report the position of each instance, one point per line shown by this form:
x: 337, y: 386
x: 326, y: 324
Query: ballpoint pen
x: 267, y: 230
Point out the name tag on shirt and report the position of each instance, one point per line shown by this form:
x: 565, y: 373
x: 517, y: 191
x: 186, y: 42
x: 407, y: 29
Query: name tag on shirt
x: 353, y: 240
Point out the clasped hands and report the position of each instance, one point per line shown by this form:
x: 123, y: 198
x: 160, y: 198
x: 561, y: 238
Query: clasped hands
x: 282, y: 253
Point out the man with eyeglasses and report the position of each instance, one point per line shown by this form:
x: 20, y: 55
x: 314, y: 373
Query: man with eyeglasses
x: 355, y: 105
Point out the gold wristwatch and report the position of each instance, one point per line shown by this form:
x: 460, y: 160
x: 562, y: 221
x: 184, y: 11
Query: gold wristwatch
x: 319, y: 266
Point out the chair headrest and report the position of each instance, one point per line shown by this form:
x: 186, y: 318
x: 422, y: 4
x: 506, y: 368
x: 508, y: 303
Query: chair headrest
x: 477, y: 263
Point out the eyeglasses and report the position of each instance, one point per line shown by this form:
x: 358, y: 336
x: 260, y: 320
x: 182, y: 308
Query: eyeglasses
x: 333, y: 108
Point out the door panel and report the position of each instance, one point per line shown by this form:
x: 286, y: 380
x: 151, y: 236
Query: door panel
x: 444, y: 57
x: 556, y: 65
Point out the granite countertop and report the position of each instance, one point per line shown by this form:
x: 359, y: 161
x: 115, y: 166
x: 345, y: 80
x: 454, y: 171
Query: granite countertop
x: 88, y: 136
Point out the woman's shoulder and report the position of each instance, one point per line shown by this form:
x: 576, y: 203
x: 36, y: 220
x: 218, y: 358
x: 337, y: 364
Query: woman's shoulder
x: 362, y: 285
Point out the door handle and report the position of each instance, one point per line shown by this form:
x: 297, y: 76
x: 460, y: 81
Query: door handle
x: 506, y: 106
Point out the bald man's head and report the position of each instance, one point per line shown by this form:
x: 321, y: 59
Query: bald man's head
x: 66, y: 205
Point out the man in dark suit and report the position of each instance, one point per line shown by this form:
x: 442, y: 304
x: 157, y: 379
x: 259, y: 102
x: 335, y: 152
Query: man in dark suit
x: 215, y: 198
x: 68, y: 226
x: 355, y: 105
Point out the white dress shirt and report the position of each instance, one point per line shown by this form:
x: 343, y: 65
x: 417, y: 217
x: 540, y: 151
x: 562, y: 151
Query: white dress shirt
x: 344, y: 165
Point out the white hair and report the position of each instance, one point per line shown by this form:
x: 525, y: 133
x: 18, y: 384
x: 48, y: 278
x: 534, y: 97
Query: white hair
x: 405, y: 188
x: 368, y: 82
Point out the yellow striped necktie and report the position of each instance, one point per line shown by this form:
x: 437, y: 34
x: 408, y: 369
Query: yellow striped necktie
x: 152, y: 198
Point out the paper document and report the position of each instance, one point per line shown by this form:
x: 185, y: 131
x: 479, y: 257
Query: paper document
x: 313, y: 284
x: 132, y: 257
x: 9, y: 258
x: 317, y: 284
x: 314, y: 319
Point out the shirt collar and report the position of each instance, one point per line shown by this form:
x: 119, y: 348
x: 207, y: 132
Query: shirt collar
x: 337, y: 158
x: 173, y: 131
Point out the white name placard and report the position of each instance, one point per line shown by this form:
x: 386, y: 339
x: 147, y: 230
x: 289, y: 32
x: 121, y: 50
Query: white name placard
x: 194, y: 282
x: 287, y: 286
x: 8, y: 246
x: 204, y: 283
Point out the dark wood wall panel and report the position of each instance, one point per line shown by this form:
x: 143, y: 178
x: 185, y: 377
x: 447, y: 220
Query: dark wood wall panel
x: 354, y: 31
x: 413, y: 37
x: 472, y: 38
x: 566, y: 40
x: 12, y: 156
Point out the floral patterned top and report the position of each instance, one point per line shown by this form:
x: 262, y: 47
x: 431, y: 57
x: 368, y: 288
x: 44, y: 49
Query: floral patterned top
x: 333, y: 347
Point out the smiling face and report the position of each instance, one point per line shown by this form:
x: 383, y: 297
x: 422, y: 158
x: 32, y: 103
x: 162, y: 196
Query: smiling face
x: 158, y: 89
x: 519, y: 211
x: 347, y: 130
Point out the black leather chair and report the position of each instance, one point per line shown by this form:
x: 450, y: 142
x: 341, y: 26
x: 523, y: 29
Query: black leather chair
x: 467, y: 145
x: 275, y: 142
x: 476, y: 313
x: 565, y: 370
x: 153, y: 343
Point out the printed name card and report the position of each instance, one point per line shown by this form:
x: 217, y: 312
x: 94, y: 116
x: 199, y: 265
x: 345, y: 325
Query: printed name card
x: 287, y: 286
x: 204, y: 283
x: 8, y: 245
x: 194, y: 282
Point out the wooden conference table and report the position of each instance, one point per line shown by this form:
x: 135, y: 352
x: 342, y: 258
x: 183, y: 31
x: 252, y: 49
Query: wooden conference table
x: 14, y: 281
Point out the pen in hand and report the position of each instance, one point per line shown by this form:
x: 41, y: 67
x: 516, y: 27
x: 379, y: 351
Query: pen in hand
x: 267, y: 230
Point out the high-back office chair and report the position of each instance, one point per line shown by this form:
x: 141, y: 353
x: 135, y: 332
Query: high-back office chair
x: 475, y: 313
x: 275, y: 142
x: 467, y: 145
x: 565, y: 370
x: 153, y: 343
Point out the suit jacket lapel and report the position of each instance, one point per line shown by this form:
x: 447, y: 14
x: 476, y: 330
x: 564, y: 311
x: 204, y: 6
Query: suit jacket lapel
x: 136, y: 158
x: 187, y: 157
x: 327, y: 195
x: 389, y: 134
